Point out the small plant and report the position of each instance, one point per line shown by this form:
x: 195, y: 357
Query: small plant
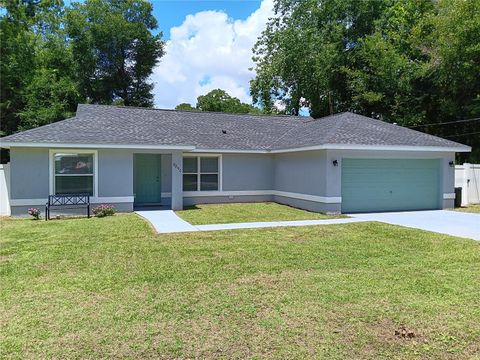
x: 103, y: 210
x: 35, y: 213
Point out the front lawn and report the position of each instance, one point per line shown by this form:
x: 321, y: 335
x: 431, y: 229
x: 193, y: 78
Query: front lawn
x: 474, y: 208
x: 110, y: 288
x: 246, y: 212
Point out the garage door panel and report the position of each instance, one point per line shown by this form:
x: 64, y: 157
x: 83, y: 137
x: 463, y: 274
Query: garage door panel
x: 390, y: 184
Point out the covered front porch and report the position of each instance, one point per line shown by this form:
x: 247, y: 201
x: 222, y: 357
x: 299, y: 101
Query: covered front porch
x: 157, y: 180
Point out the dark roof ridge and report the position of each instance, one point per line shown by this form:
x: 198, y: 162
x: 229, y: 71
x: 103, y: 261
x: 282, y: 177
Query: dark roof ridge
x: 272, y: 146
x: 335, y: 128
x: 197, y: 112
x: 329, y: 116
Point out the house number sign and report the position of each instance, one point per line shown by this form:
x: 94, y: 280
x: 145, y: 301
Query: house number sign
x: 176, y: 166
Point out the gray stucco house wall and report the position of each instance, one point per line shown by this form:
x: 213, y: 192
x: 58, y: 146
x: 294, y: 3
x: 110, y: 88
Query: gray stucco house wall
x: 29, y: 173
x: 305, y: 179
x: 304, y: 173
x: 284, y: 159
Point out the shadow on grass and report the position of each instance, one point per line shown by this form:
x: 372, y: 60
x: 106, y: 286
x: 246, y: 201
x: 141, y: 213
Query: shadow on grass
x: 192, y: 207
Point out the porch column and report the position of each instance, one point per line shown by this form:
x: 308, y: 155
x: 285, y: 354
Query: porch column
x: 177, y: 180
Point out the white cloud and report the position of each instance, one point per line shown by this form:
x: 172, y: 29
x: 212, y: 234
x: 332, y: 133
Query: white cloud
x: 208, y: 51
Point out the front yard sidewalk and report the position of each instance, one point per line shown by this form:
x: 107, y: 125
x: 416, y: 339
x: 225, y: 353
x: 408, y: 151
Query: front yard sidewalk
x: 167, y: 222
x: 254, y: 225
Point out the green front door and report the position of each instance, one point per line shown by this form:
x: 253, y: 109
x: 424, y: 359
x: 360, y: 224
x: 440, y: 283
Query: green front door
x: 390, y: 184
x: 147, y: 186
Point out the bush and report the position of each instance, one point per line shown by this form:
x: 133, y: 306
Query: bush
x: 103, y: 210
x: 35, y: 213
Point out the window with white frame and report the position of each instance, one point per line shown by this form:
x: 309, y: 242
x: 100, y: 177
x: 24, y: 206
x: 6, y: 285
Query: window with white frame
x: 201, y: 173
x: 73, y: 173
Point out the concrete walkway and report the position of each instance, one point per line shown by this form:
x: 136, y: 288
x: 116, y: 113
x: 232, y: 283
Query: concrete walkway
x: 166, y: 221
x: 253, y: 225
x: 455, y: 223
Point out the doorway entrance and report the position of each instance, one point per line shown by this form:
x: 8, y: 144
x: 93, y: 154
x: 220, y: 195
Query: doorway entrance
x: 147, y: 185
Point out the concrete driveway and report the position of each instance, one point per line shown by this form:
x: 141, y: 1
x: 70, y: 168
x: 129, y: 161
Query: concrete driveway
x: 466, y: 225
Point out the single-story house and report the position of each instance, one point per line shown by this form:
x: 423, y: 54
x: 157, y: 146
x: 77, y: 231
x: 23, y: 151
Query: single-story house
x: 132, y: 157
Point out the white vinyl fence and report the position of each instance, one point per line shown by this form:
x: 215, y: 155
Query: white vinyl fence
x: 4, y: 190
x: 467, y: 176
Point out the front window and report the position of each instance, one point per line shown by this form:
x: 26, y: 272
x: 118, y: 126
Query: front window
x: 200, y: 173
x: 73, y: 173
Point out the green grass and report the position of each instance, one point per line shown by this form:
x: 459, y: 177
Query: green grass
x: 246, y: 212
x: 98, y: 288
x: 470, y: 208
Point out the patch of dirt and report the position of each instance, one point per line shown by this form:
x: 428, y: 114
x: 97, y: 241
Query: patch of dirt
x: 386, y: 330
x: 403, y: 332
x: 5, y: 258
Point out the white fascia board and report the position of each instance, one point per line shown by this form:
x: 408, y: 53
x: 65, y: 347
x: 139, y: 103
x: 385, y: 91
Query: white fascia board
x: 229, y: 151
x: 341, y: 147
x: 193, y: 149
x: 377, y: 148
x: 6, y: 144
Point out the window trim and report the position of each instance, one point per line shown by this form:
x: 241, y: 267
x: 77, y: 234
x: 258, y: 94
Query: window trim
x: 199, y: 173
x: 51, y: 167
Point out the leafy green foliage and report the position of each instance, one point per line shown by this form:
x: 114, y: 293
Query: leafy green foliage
x: 409, y: 62
x: 49, y: 98
x: 16, y: 67
x: 54, y: 57
x: 218, y: 100
x: 114, y: 50
x: 186, y: 107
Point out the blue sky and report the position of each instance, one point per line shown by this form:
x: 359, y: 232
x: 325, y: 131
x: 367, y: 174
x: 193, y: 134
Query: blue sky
x: 208, y: 46
x: 170, y: 13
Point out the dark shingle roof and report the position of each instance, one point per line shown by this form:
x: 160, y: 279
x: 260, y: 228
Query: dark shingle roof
x: 117, y: 125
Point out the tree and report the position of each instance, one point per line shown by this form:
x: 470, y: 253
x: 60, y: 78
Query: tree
x: 388, y: 74
x: 451, y: 41
x: 52, y: 93
x: 36, y: 68
x: 54, y: 57
x: 186, y: 107
x: 410, y: 62
x: 114, y: 50
x: 49, y: 97
x: 219, y: 100
x: 17, y: 64
x: 300, y: 56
